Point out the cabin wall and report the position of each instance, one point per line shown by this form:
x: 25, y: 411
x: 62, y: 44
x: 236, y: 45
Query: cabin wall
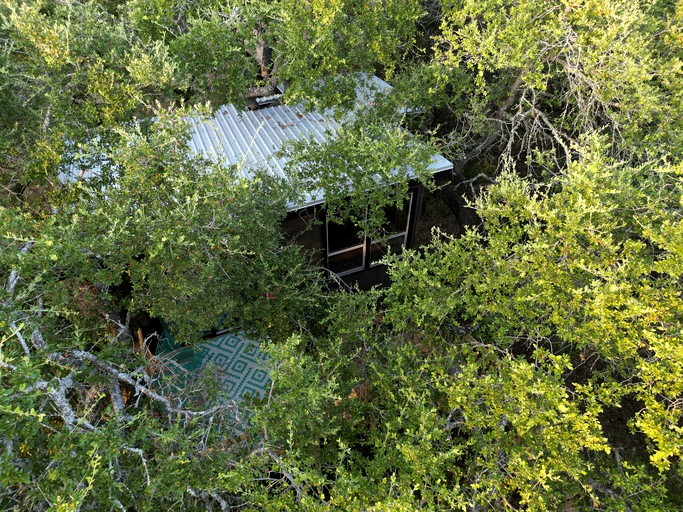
x: 307, y: 227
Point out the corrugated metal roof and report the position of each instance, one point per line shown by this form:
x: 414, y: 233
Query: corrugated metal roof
x: 251, y: 139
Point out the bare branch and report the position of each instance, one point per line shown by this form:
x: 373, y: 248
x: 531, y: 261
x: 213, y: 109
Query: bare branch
x: 124, y: 328
x: 471, y: 181
x: 138, y: 451
x: 224, y: 504
x: 37, y: 339
x: 288, y: 476
x: 48, y: 115
x: 14, y: 274
x: 20, y: 337
x: 144, y: 390
x: 500, y: 118
x: 61, y: 402
x: 117, y: 399
x: 7, y: 366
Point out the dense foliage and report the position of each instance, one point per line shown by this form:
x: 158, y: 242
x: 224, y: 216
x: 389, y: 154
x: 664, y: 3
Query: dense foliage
x: 535, y: 362
x: 490, y: 371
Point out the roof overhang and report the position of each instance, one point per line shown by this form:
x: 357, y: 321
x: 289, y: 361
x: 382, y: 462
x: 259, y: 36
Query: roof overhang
x: 253, y: 139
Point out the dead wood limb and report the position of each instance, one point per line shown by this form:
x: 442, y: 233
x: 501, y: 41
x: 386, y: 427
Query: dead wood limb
x: 471, y: 181
x: 209, y: 497
x: 141, y: 389
x: 7, y: 366
x: 17, y: 332
x: 57, y: 395
x: 557, y: 135
x: 48, y: 116
x: 288, y: 476
x: 116, y: 396
x: 500, y: 118
x: 224, y: 504
x: 37, y: 339
x: 139, y: 452
x: 14, y: 274
x: 124, y: 327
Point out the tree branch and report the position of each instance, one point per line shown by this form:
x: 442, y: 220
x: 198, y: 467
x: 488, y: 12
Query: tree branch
x: 144, y: 390
x: 471, y: 181
x: 288, y: 476
x: 20, y: 337
x: 14, y: 274
x: 60, y: 401
x: 117, y: 399
x: 138, y: 451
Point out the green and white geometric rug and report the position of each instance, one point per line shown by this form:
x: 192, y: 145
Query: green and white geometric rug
x: 239, y: 365
x: 234, y: 361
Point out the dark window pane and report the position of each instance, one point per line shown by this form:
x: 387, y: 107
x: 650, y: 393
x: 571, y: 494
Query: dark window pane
x: 379, y: 249
x: 346, y: 261
x: 397, y: 219
x: 306, y: 231
x: 377, y: 252
x: 341, y: 236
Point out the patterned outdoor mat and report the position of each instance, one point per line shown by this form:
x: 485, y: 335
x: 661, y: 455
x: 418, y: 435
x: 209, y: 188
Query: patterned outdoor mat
x: 239, y: 365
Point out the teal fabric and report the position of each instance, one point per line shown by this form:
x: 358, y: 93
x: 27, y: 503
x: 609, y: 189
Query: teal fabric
x: 235, y: 362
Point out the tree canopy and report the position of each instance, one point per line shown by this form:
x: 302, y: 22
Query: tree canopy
x: 534, y: 361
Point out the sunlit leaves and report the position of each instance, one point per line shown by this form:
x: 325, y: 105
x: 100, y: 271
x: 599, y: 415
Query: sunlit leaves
x: 584, y: 269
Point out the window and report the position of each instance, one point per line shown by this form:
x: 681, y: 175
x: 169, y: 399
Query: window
x: 397, y: 232
x: 345, y: 249
x: 306, y: 229
x: 347, y: 252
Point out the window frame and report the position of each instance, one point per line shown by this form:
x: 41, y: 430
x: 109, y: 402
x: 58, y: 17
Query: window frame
x: 403, y: 234
x: 329, y: 254
x: 368, y: 242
